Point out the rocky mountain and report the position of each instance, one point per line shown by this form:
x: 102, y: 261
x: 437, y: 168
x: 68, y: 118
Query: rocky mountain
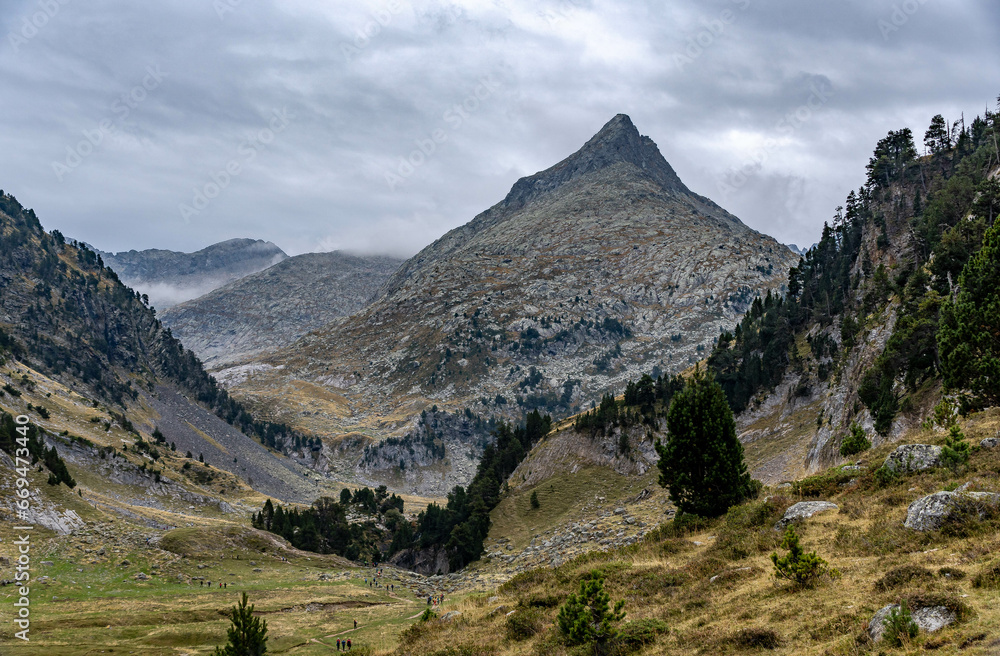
x: 85, y: 355
x: 270, y: 309
x: 588, y: 274
x: 170, y: 277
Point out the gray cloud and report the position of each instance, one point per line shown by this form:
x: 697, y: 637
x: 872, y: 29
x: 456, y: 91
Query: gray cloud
x: 387, y: 145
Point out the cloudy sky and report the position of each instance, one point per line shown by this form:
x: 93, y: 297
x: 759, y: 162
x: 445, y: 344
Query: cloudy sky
x: 176, y: 124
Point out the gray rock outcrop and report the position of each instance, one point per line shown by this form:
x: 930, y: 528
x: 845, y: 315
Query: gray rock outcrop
x: 990, y: 443
x: 928, y: 619
x: 803, y: 510
x: 931, y: 512
x: 913, y: 457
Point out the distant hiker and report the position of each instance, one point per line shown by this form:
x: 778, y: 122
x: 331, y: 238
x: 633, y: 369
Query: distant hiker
x: 348, y: 644
x: 338, y: 644
x: 355, y: 624
x: 428, y: 600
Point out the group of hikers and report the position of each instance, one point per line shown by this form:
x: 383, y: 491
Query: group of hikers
x: 346, y: 644
x: 202, y: 584
x: 435, y: 600
x: 374, y: 581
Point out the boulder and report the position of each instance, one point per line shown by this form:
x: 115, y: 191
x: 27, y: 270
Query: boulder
x: 450, y: 615
x: 913, y: 457
x: 928, y: 619
x: 990, y: 443
x: 802, y: 510
x: 931, y: 512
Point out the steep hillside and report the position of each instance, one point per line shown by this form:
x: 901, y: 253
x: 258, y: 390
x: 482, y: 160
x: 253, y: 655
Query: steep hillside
x: 587, y: 274
x: 856, y: 340
x: 269, y: 310
x: 69, y: 326
x: 169, y: 277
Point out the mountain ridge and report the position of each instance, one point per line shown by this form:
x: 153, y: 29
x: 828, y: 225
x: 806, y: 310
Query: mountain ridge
x: 271, y: 308
x: 608, y: 274
x: 169, y: 277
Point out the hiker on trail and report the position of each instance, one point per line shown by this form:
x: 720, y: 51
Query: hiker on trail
x: 338, y: 644
x: 355, y: 624
x: 428, y: 600
x: 348, y: 644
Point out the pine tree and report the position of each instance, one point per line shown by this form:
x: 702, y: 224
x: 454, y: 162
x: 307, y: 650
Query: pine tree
x: 956, y: 450
x: 701, y: 461
x: 968, y: 339
x: 587, y: 617
x: 856, y: 442
x: 247, y: 635
x: 534, y: 501
x: 936, y: 139
x: 797, y: 566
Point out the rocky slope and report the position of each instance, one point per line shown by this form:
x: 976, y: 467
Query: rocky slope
x: 587, y: 274
x: 77, y: 341
x: 170, y: 277
x: 270, y: 309
x: 856, y: 340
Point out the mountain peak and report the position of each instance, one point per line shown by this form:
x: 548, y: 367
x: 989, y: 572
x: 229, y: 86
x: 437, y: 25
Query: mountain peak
x: 618, y: 141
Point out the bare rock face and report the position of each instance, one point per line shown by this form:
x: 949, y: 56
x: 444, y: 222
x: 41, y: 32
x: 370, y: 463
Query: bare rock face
x: 913, y: 457
x: 928, y: 619
x: 990, y: 442
x: 803, y: 510
x: 931, y: 512
x: 170, y: 277
x: 270, y: 309
x: 587, y: 275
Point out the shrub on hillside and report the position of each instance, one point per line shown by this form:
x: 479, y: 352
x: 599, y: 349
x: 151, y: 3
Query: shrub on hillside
x: 797, y: 566
x: 855, y: 442
x: 989, y: 577
x: 523, y: 624
x: 639, y: 633
x: 756, y: 638
x: 899, y: 626
x: 588, y: 617
x: 899, y: 576
x: 955, y: 452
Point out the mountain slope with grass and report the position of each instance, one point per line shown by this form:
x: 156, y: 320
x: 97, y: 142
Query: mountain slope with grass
x: 69, y: 326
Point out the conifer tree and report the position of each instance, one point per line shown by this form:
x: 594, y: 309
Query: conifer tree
x: 968, y: 338
x: 936, y: 139
x: 701, y: 461
x: 587, y: 617
x: 247, y: 635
